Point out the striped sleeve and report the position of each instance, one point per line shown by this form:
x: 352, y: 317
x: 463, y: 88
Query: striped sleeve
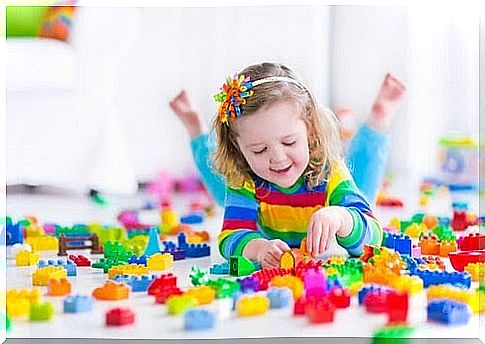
x: 240, y: 224
x: 342, y: 191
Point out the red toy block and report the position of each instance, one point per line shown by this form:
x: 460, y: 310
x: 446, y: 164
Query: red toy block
x: 459, y: 221
x: 462, y: 258
x: 398, y: 308
x: 339, y: 297
x: 165, y: 281
x: 472, y: 242
x: 376, y: 301
x: 119, y: 317
x: 164, y: 294
x: 320, y: 310
x: 300, y: 304
x: 80, y: 260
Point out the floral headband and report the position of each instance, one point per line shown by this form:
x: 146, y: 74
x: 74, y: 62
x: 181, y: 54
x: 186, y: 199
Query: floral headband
x: 235, y: 91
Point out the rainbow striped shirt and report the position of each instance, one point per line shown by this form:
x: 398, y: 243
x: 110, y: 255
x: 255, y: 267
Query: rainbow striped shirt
x: 263, y: 210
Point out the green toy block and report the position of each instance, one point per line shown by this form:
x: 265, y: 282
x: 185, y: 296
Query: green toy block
x: 392, y: 334
x: 8, y: 323
x: 417, y: 218
x: 406, y: 224
x: 41, y: 311
x: 198, y: 276
x: 240, y: 266
x: 107, y: 263
x: 224, y: 287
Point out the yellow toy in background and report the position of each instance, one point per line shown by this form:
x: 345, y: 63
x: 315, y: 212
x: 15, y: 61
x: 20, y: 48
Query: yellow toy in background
x: 131, y: 269
x: 160, y: 261
x: 204, y: 295
x: 43, y: 275
x: 169, y: 221
x: 249, y: 305
x: 26, y: 258
x: 43, y: 243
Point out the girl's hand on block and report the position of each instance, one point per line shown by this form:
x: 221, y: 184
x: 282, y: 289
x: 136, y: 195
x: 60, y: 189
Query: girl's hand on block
x: 266, y: 252
x: 323, y: 226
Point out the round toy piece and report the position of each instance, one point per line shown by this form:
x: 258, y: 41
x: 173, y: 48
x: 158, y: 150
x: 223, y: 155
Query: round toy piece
x: 287, y: 260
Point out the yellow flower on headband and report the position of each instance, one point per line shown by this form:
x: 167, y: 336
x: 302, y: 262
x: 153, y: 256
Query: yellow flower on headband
x: 232, y: 95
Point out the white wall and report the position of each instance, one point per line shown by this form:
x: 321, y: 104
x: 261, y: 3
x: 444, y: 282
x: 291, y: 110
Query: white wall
x: 196, y: 48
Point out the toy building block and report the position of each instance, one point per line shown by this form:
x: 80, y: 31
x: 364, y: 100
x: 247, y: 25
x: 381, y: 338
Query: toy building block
x: 43, y: 311
x: 107, y: 263
x: 476, y: 271
x: 375, y: 301
x: 26, y: 258
x: 192, y: 218
x: 195, y: 239
x: 79, y: 260
x: 178, y: 304
x: 319, y: 310
x: 34, y: 230
x: 435, y: 260
x: 182, y: 241
x: 33, y: 295
x: 117, y: 250
x: 430, y: 221
x: 112, y: 291
x: 153, y: 245
x: 78, y: 304
x: 202, y: 294
x: 58, y: 287
x: 469, y: 297
x: 392, y: 334
x: 248, y: 284
x: 398, y: 305
x: 462, y: 258
x: 429, y: 245
x: 119, y: 317
x: 70, y: 243
x: 448, y: 312
x: 160, y: 262
x: 462, y: 279
x: 415, y: 230
x: 240, y: 266
x: 137, y: 283
x: 220, y: 269
x: 402, y: 283
x: 198, y: 276
x: 44, y: 243
x: 142, y: 260
x: 164, y: 294
x: 459, y: 222
x: 249, y: 305
x: 402, y: 244
x: 197, y: 250
x: 17, y: 308
x: 131, y: 269
x: 198, y: 319
x: 163, y: 282
x: 69, y: 265
x: 339, y: 297
x: 169, y: 221
x: 41, y: 276
x: 315, y: 283
x: 294, y: 283
x: 446, y: 247
x: 14, y: 233
x: 176, y: 253
x: 287, y: 260
x: 279, y: 297
x: 472, y: 242
x: 224, y: 287
x: 299, y: 306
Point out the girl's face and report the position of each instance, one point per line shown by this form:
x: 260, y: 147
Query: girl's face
x: 274, y: 142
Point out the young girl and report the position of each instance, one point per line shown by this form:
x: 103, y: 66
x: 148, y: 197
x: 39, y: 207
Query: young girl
x: 367, y: 151
x: 280, y: 156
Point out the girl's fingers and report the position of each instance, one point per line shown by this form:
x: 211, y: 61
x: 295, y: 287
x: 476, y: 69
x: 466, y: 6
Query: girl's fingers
x: 309, y: 236
x: 283, y: 246
x: 323, y: 239
x: 317, y: 233
x: 271, y: 260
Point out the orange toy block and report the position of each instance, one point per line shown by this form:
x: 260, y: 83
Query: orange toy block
x: 131, y: 269
x: 59, y: 287
x: 429, y: 245
x: 112, y: 291
x: 202, y: 294
x: 447, y: 247
x: 43, y: 275
x: 430, y: 221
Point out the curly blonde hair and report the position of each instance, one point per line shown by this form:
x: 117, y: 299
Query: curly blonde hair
x: 324, y: 143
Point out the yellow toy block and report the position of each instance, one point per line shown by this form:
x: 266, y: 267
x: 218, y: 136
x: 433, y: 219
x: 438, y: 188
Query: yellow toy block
x: 18, y: 308
x: 32, y: 295
x: 477, y: 271
x: 18, y: 301
x: 202, y: 294
x: 43, y: 243
x: 249, y: 305
x: 178, y: 304
x: 415, y: 230
x: 355, y: 287
x: 396, y: 223
x: 131, y: 269
x: 471, y: 298
x: 294, y: 283
x: 336, y: 260
x: 34, y: 230
x: 26, y: 258
x: 160, y: 261
x: 383, y: 275
x: 43, y: 275
x: 195, y: 239
x: 169, y: 221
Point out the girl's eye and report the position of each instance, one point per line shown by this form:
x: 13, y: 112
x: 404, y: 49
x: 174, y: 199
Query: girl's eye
x: 289, y: 143
x: 260, y: 151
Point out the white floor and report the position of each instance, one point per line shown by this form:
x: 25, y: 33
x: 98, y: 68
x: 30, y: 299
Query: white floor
x: 151, y: 320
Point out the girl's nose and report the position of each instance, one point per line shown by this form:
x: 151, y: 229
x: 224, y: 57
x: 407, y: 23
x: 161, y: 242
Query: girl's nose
x: 278, y: 155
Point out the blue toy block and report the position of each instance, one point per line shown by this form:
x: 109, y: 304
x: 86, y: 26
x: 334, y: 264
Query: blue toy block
x: 333, y: 282
x: 169, y: 245
x: 153, y: 245
x: 193, y: 218
x: 69, y: 265
x: 197, y: 250
x: 413, y: 263
x: 176, y: 253
x: 403, y: 244
x: 182, y: 241
x: 78, y: 303
x: 220, y: 269
x: 444, y: 221
x: 142, y: 260
x: 137, y: 283
x: 14, y: 234
x: 279, y: 297
x: 199, y: 319
x: 448, y: 312
x: 459, y: 279
x: 389, y: 241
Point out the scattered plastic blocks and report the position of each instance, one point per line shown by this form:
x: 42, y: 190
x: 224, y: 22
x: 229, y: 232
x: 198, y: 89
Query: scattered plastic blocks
x: 319, y: 310
x: 399, y: 242
x: 112, y: 291
x: 476, y: 271
x: 279, y: 297
x: 179, y: 304
x: 120, y: 317
x: 224, y: 287
x: 142, y: 260
x: 461, y: 279
x: 107, y: 263
x: 198, y: 276
x: 471, y: 298
x: 42, y: 311
x: 26, y: 258
x: 448, y: 312
x: 240, y: 266
x: 78, y: 304
x: 198, y: 319
x: 137, y: 283
x: 58, y: 287
x: 182, y: 241
x: 69, y: 265
x: 160, y: 261
x: 79, y: 260
x: 162, y: 282
x: 197, y: 250
x: 131, y: 269
x: 384, y: 276
x: 202, y: 294
x: 294, y: 283
x: 177, y: 254
x: 249, y: 305
x: 43, y: 275
x: 43, y: 243
x: 461, y: 259
x: 220, y: 269
x: 429, y: 245
x: 164, y: 294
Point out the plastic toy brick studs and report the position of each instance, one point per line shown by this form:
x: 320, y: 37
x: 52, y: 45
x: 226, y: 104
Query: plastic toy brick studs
x: 179, y: 304
x: 112, y: 291
x: 162, y: 282
x: 240, y: 266
x: 446, y: 247
x: 472, y: 242
x: 429, y: 245
x: 58, y: 287
x: 279, y: 297
x: 80, y: 260
x: 137, y: 283
x: 197, y: 250
x: 78, y: 304
x: 142, y: 260
x: 448, y: 312
x: 220, y: 269
x: 339, y: 297
x: 202, y: 294
x: 120, y: 317
x: 249, y: 305
x: 69, y: 265
x: 461, y: 279
x: 42, y: 311
x: 198, y: 319
x: 26, y: 258
x: 43, y: 275
x: 477, y: 271
x: 160, y: 261
x: 224, y: 288
x: 131, y: 269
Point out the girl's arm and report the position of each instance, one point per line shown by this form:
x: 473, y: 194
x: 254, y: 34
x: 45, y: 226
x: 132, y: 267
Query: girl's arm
x: 342, y: 191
